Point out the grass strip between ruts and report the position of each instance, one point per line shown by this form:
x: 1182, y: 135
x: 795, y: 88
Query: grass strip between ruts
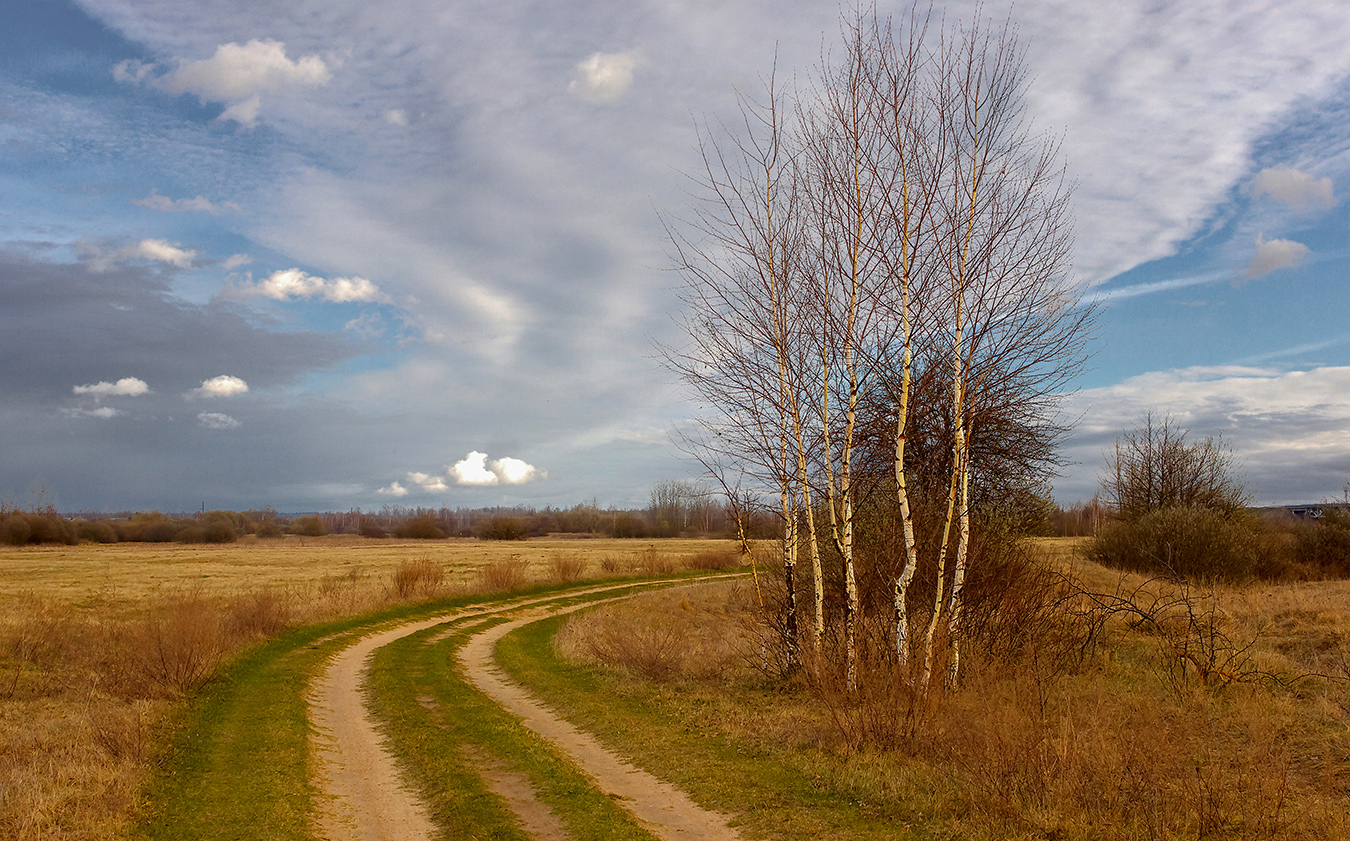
x: 656, y: 728
x: 431, y: 739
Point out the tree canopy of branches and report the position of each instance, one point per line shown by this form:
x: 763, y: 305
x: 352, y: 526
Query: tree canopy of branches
x: 878, y: 306
x: 1154, y: 466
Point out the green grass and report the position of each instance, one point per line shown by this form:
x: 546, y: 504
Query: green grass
x: 237, y: 763
x: 672, y: 731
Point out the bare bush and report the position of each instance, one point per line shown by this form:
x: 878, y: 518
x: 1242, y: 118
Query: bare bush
x: 504, y: 576
x: 566, y: 568
x: 714, y: 560
x: 258, y: 613
x: 418, y: 576
x: 181, y: 644
x: 651, y: 561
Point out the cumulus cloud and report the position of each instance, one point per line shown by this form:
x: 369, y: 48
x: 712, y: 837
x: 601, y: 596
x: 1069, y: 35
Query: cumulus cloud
x: 216, y: 420
x: 155, y: 250
x: 236, y: 74
x: 201, y: 204
x: 603, y: 77
x: 1293, y: 188
x: 474, y: 470
x: 125, y: 387
x: 222, y: 386
x: 293, y: 283
x: 1273, y: 254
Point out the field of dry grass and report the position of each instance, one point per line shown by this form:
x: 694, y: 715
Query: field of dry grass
x: 1198, y: 713
x: 100, y: 644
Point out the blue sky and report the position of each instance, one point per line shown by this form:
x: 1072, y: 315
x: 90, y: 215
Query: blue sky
x: 328, y: 254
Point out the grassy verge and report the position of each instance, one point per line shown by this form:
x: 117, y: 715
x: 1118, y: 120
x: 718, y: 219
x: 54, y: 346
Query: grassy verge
x: 674, y: 732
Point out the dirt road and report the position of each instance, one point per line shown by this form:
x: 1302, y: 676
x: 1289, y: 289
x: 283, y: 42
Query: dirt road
x: 366, y: 800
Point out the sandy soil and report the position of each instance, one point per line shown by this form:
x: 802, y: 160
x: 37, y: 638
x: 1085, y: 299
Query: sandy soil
x: 365, y: 799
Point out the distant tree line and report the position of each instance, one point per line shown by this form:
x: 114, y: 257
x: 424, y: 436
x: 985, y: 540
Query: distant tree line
x: 676, y: 509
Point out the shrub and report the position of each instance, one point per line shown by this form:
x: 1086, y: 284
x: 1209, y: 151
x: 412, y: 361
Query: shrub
x: 370, y: 527
x: 14, y: 530
x: 50, y: 528
x: 1323, y: 549
x: 161, y: 531
x: 714, y: 559
x: 268, y: 529
x: 419, y: 575
x: 567, y: 568
x: 503, y: 576
x: 309, y: 526
x: 220, y: 531
x: 1190, y: 543
x: 421, y: 527
x: 100, y: 531
x: 191, y: 534
x: 504, y: 528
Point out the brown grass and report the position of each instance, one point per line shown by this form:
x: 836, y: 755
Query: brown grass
x: 1123, y: 746
x: 100, y: 643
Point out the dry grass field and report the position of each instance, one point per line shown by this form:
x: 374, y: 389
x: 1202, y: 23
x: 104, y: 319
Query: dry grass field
x: 1198, y: 713
x: 100, y: 644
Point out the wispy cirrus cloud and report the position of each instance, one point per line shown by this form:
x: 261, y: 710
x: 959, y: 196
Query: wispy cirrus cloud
x: 197, y: 204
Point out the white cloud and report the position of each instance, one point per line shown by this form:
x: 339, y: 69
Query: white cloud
x: 239, y: 71
x: 125, y: 387
x: 235, y: 74
x: 393, y: 489
x: 222, y: 386
x: 293, y: 283
x: 234, y: 261
x: 603, y: 77
x: 155, y: 201
x: 158, y: 250
x: 1275, y: 254
x: 472, y: 470
x: 244, y: 112
x: 428, y: 482
x: 396, y: 117
x: 513, y: 471
x: 217, y: 420
x: 1293, y: 187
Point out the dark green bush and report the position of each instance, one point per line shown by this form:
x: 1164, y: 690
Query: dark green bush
x: 1199, y: 544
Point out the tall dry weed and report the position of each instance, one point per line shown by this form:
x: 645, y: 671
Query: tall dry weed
x: 418, y: 577
x: 566, y: 567
x: 504, y: 576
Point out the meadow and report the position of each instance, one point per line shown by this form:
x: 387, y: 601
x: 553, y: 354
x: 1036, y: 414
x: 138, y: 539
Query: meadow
x: 102, y: 646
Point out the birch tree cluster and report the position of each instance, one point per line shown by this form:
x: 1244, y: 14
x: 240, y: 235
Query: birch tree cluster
x: 880, y: 321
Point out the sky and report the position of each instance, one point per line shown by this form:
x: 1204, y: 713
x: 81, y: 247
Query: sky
x: 321, y: 255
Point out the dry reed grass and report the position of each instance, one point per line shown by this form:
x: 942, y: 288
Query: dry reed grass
x: 99, y: 643
x: 1120, y: 746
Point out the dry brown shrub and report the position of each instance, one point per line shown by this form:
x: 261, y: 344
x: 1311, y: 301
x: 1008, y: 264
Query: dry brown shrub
x: 503, y: 576
x: 259, y: 613
x: 420, y: 576
x: 714, y: 560
x: 180, y: 645
x: 613, y: 563
x: 567, y: 567
x: 651, y: 561
x: 660, y: 636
